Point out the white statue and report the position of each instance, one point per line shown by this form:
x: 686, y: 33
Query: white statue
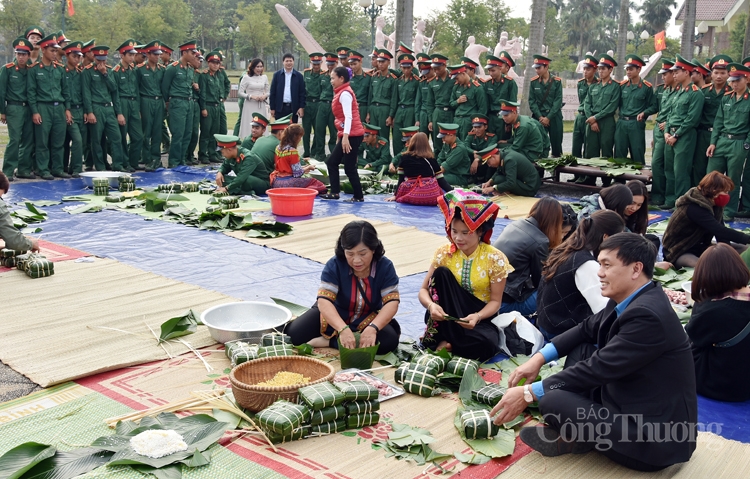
x: 421, y: 43
x: 611, y: 53
x: 517, y: 51
x: 380, y: 37
x: 579, y: 68
x: 473, y: 51
x: 502, y: 44
x: 545, y: 50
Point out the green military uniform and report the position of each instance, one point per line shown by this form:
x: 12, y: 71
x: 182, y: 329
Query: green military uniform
x: 382, y: 100
x: 454, y: 161
x: 545, y: 100
x: 660, y: 104
x: 77, y: 134
x: 312, y: 99
x: 48, y: 98
x: 264, y: 148
x: 635, y: 98
x: 251, y: 176
x: 425, y: 104
x: 515, y: 175
x: 579, y: 126
x: 190, y: 159
x: 440, y: 92
x: 166, y: 139
x: 211, y: 92
x: 495, y: 91
x: 476, y: 143
x: 527, y: 138
x: 226, y: 89
x: 177, y: 90
x: 685, y: 114
x: 601, y: 102
x: 152, y: 108
x: 731, y: 136
x: 360, y: 86
x: 712, y: 100
x: 100, y: 99
x: 15, y: 107
x: 463, y: 112
x: 377, y: 155
x: 406, y: 135
x: 130, y: 107
x: 406, y: 99
x: 324, y: 118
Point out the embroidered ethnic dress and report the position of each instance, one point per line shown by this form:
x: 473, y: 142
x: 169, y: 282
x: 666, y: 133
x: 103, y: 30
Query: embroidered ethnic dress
x: 475, y: 273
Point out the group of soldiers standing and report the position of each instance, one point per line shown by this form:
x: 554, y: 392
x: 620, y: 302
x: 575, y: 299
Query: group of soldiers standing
x: 66, y: 107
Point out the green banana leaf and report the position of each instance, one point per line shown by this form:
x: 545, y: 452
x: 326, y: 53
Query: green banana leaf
x: 43, y: 203
x: 66, y: 465
x: 85, y: 209
x: 14, y: 463
x: 28, y: 231
x: 472, y: 458
x: 32, y: 207
x: 296, y: 309
x: 18, y: 223
x: 75, y: 198
x: 179, y: 326
x: 499, y: 446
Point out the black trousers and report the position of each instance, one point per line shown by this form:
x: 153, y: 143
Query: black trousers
x: 350, y: 166
x: 480, y: 343
x: 307, y: 327
x: 285, y: 110
x: 580, y: 416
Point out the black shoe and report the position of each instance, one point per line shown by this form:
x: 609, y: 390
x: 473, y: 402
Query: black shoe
x: 61, y: 175
x: 26, y: 176
x: 328, y: 196
x: 48, y: 177
x: 740, y: 214
x: 76, y: 175
x: 11, y: 178
x: 549, y: 443
x: 354, y: 200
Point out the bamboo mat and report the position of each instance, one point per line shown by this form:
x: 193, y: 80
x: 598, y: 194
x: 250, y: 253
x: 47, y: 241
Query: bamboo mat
x: 715, y: 457
x: 514, y: 207
x: 51, y: 327
x: 410, y: 249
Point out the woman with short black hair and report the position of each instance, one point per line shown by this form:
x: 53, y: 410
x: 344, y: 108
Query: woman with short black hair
x: 719, y: 326
x: 358, y: 292
x: 617, y: 198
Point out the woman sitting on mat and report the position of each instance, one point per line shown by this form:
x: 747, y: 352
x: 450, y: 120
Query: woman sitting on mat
x: 417, y: 171
x: 697, y: 219
x: 288, y: 170
x: 8, y: 233
x: 616, y: 198
x: 719, y: 327
x: 636, y: 217
x: 570, y: 290
x: 463, y: 288
x: 358, y: 292
x: 527, y: 244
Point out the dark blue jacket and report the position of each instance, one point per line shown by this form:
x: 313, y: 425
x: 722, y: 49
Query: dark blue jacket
x: 276, y: 98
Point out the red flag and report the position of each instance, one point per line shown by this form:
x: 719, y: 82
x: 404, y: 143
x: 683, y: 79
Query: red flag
x: 660, y: 40
x: 71, y: 10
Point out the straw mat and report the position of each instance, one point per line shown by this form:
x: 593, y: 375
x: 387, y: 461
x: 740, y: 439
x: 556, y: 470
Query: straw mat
x: 514, y: 207
x: 53, y: 251
x: 715, y: 457
x: 410, y: 249
x: 52, y: 330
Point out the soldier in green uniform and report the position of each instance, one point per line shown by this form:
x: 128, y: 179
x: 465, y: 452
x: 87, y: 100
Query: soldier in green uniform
x: 374, y: 151
x: 34, y: 34
x: 166, y: 139
x: 265, y: 146
x: 211, y: 91
x: 636, y: 96
x: 129, y: 118
x: 407, y: 87
x: 77, y: 135
x: 324, y: 117
x: 454, y: 159
x: 150, y: 75
x: 50, y: 110
x: 499, y: 87
x: 528, y: 136
x: 680, y: 133
x: 590, y: 64
x: 88, y: 59
x: 545, y: 101
x: 730, y: 138
x: 701, y: 74
x: 101, y: 106
x: 15, y: 111
x: 226, y: 89
x: 713, y: 94
x: 464, y: 100
x: 252, y: 177
x: 514, y: 173
x: 312, y: 98
x: 382, y: 100
x: 441, y: 88
x: 343, y: 55
x: 194, y: 133
x: 360, y: 82
x: 471, y: 70
x: 177, y: 90
x: 477, y: 140
x: 257, y: 130
x: 600, y: 106
x: 660, y: 104
x: 424, y: 102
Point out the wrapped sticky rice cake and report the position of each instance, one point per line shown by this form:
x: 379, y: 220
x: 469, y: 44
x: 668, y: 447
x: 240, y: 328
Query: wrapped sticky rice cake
x: 295, y: 435
x: 362, y: 420
x: 477, y: 424
x: 283, y: 417
x: 274, y: 351
x: 362, y: 407
x: 331, y: 427
x: 273, y: 339
x: 458, y: 365
x: 489, y: 394
x: 321, y: 395
x: 327, y: 414
x: 240, y: 352
x: 419, y: 380
x: 39, y: 267
x: 431, y: 361
x: 357, y: 390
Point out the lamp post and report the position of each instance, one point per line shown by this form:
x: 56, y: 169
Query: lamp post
x: 372, y: 8
x: 702, y: 30
x: 640, y: 41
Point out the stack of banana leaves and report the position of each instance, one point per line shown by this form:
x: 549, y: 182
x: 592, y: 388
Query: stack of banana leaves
x: 222, y: 220
x: 611, y: 166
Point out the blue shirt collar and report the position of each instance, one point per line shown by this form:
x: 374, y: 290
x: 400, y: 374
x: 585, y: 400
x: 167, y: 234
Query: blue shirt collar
x: 624, y: 304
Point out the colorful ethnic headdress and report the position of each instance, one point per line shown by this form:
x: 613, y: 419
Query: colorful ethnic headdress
x: 474, y: 209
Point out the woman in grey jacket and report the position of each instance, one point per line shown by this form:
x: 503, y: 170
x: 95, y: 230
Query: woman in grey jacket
x: 527, y: 243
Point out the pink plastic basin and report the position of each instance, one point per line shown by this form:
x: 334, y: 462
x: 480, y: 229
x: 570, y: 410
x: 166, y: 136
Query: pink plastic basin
x: 292, y: 201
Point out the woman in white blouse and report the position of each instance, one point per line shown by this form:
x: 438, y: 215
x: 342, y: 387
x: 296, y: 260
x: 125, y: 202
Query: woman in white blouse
x: 254, y: 89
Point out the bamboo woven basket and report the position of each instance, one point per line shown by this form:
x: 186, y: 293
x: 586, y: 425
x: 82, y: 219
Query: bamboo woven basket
x: 256, y: 398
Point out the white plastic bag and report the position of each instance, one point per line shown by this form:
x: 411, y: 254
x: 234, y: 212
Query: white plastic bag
x: 524, y: 328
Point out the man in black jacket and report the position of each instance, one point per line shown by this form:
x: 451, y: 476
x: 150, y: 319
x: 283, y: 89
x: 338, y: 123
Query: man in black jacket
x: 287, y: 95
x: 628, y: 387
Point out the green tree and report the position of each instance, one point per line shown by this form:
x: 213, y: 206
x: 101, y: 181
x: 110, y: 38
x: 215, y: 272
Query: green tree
x: 737, y: 38
x: 256, y: 31
x: 16, y: 16
x: 536, y: 39
x: 582, y: 16
x: 108, y: 21
x: 656, y: 13
x: 340, y: 22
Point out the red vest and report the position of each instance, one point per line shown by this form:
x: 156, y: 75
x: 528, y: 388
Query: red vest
x: 338, y: 112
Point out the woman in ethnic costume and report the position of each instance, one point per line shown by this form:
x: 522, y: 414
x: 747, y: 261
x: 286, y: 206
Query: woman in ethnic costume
x: 288, y: 170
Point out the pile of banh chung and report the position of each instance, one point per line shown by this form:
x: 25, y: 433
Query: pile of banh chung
x: 428, y: 374
x: 271, y: 345
x: 34, y: 265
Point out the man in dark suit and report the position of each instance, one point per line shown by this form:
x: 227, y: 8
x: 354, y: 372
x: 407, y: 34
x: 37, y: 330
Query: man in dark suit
x: 287, y: 91
x: 628, y: 387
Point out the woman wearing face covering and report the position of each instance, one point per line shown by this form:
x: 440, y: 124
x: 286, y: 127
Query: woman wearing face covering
x: 697, y: 219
